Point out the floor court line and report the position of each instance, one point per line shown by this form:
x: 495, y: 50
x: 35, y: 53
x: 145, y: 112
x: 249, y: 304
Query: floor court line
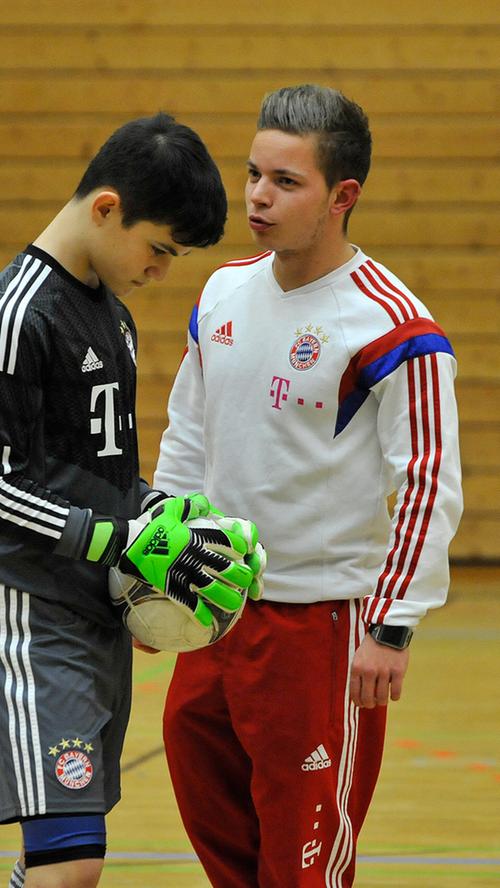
x: 134, y: 763
x: 363, y: 858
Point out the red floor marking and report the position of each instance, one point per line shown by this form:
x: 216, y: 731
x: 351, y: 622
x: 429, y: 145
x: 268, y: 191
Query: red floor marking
x: 408, y: 744
x: 443, y: 753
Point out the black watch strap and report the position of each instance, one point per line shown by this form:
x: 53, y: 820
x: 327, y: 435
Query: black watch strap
x: 398, y: 637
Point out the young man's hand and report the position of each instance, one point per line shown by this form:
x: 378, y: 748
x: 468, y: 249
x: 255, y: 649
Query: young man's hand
x: 377, y: 673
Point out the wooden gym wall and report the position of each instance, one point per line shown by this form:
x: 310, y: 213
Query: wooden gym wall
x: 71, y: 71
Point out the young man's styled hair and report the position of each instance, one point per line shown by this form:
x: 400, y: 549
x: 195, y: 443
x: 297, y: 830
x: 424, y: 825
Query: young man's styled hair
x: 341, y: 126
x: 164, y: 174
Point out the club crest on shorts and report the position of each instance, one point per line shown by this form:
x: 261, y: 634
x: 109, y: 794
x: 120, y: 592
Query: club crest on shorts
x: 73, y: 767
x: 306, y: 349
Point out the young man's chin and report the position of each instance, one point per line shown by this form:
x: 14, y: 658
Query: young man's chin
x: 263, y: 239
x: 123, y: 289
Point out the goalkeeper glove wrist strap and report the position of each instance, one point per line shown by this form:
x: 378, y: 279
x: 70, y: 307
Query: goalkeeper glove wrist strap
x: 107, y: 538
x: 153, y: 498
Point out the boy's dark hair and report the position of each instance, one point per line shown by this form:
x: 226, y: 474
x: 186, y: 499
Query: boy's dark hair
x: 341, y: 126
x: 164, y: 174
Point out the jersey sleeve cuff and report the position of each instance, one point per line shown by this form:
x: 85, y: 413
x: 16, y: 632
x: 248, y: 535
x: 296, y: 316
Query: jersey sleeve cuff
x: 75, y: 533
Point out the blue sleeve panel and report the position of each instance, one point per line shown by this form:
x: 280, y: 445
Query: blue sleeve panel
x: 378, y: 359
x: 193, y: 323
x: 52, y: 833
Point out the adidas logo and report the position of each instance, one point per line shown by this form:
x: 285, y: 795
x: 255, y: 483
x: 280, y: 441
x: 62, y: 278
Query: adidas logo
x: 224, y: 334
x: 91, y: 362
x: 318, y: 760
x: 158, y: 544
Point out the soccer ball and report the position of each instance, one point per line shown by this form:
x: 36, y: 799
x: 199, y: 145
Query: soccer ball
x: 162, y: 623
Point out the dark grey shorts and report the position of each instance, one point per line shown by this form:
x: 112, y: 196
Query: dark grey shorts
x: 65, y: 687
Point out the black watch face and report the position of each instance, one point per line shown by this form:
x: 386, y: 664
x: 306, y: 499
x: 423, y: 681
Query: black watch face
x: 396, y: 636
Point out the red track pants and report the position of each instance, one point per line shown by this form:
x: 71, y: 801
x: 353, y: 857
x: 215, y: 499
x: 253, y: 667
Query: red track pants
x: 272, y: 766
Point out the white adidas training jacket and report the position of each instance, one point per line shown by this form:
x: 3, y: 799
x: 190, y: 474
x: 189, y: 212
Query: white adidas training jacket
x: 303, y: 410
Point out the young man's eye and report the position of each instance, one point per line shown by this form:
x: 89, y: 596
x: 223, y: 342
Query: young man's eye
x: 253, y: 175
x: 157, y: 251
x: 284, y: 180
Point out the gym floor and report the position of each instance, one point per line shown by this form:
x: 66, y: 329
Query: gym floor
x: 434, y: 819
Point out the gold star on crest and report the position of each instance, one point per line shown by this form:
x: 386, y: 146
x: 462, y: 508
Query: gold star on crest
x: 324, y: 338
x: 88, y: 747
x: 65, y: 744
x: 54, y: 750
x: 77, y: 743
x: 298, y: 331
x: 309, y: 328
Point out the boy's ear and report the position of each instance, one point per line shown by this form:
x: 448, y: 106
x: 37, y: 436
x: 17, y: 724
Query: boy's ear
x: 105, y: 203
x: 344, y: 195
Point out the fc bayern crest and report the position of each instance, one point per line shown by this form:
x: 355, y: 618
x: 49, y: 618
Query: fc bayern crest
x: 128, y: 339
x: 74, y: 769
x: 305, y: 352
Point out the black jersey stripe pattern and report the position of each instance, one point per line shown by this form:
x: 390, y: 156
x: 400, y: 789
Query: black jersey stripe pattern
x: 67, y: 445
x: 31, y: 512
x: 20, y: 503
x: 13, y: 305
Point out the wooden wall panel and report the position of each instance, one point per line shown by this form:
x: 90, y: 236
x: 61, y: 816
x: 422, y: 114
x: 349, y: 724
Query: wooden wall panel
x: 215, y: 12
x: 59, y: 47
x: 189, y: 92
x: 427, y: 74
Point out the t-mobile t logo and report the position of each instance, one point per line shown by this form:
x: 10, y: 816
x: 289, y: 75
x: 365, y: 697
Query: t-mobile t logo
x: 106, y: 423
x: 279, y: 390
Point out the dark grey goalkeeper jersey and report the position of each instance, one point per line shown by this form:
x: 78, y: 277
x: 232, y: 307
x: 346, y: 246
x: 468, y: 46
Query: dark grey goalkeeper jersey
x: 68, y: 442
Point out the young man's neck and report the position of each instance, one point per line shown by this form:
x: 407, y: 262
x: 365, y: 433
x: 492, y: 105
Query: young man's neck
x: 64, y: 240
x: 296, y: 269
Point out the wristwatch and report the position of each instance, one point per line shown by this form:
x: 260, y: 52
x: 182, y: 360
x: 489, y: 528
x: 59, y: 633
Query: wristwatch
x: 398, y: 637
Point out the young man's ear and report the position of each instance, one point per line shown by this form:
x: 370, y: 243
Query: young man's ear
x: 344, y: 195
x: 105, y: 203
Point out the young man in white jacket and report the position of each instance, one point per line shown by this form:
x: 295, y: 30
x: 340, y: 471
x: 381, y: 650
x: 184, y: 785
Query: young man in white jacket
x: 314, y: 386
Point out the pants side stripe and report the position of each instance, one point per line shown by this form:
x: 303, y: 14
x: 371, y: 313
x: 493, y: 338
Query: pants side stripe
x: 31, y: 700
x: 8, y: 689
x: 343, y: 845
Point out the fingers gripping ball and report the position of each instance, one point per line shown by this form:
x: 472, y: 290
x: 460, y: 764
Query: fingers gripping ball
x: 204, y: 597
x: 213, y: 565
x: 173, y: 554
x: 256, y: 557
x: 256, y: 561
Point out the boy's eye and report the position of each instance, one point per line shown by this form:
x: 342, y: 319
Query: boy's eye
x: 157, y: 250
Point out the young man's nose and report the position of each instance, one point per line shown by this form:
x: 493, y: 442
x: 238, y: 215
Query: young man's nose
x: 158, y: 269
x: 261, y: 193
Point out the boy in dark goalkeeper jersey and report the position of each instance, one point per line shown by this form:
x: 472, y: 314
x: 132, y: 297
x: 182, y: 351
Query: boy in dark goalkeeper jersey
x: 70, y: 488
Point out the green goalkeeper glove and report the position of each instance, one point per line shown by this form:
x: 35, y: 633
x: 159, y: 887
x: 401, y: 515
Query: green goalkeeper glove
x: 160, y: 550
x: 256, y: 557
